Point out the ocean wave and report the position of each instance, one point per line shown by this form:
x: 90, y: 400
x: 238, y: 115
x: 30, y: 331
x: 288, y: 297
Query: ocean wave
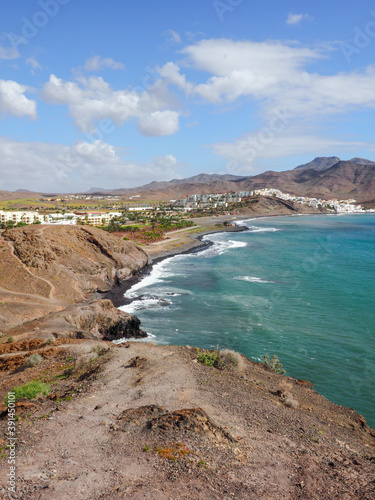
x: 257, y: 229
x: 149, y: 338
x: 252, y: 279
x: 220, y: 247
x: 159, y: 271
x: 145, y: 302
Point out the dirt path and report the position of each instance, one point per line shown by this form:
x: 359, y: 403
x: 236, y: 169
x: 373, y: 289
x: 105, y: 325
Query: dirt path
x: 238, y: 437
x: 52, y: 293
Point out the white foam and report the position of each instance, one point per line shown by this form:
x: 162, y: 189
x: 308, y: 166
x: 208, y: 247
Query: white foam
x: 149, y: 338
x: 220, y: 247
x: 252, y: 279
x: 157, y: 274
x: 145, y: 303
x: 256, y: 229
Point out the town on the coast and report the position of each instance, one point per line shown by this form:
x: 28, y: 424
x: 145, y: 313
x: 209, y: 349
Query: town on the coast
x: 192, y: 204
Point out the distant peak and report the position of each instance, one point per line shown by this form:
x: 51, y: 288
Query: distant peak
x: 320, y: 163
x: 362, y: 161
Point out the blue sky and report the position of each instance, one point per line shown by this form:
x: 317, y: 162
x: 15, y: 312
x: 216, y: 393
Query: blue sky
x: 117, y: 94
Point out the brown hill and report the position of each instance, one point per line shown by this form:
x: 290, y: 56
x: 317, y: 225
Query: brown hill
x: 44, y: 269
x: 344, y: 179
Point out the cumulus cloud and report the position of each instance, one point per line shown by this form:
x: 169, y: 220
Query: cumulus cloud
x: 97, y: 63
x: 92, y: 100
x: 273, y: 74
x: 59, y: 168
x: 13, y: 102
x: 294, y: 19
x: 245, y: 68
x: 158, y: 123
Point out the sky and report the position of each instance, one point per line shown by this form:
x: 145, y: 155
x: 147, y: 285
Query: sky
x: 117, y: 94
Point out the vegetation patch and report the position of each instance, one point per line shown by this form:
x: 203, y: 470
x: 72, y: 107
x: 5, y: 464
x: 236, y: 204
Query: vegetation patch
x: 29, y: 390
x: 33, y: 360
x: 172, y: 452
x: 222, y: 360
x: 274, y: 364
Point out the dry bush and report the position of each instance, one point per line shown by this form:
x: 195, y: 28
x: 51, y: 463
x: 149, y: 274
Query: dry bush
x: 232, y: 360
x: 285, y: 388
x: 292, y: 403
x: 33, y: 360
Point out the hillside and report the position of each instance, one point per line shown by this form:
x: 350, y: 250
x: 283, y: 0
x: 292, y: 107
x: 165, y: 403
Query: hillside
x: 145, y: 421
x: 324, y: 177
x: 46, y: 269
x: 139, y: 420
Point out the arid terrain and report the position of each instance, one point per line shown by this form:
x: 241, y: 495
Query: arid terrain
x: 138, y: 420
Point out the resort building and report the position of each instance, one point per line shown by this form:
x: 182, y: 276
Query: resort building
x: 16, y: 217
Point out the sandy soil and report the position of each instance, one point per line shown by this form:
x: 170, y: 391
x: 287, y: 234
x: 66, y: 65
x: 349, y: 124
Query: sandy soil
x: 145, y: 421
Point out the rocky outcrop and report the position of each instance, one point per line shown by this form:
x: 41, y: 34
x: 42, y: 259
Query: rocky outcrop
x: 79, y: 259
x: 102, y: 320
x: 95, y: 320
x: 45, y: 270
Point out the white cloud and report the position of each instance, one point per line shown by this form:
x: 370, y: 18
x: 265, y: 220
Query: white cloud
x: 245, y: 68
x: 93, y: 100
x: 294, y: 19
x: 13, y: 101
x: 171, y: 73
x: 158, y: 123
x: 56, y: 168
x: 97, y: 63
x: 273, y: 74
x: 31, y: 61
x: 172, y: 37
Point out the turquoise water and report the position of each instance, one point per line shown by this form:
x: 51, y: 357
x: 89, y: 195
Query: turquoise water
x: 300, y: 287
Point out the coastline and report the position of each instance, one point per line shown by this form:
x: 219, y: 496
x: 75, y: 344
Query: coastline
x: 193, y: 243
x: 188, y: 241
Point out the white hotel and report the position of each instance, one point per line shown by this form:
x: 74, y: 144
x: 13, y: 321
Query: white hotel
x: 26, y: 217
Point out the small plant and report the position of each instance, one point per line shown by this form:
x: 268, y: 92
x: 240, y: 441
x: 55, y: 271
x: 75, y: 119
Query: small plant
x: 292, y: 403
x: 231, y: 361
x: 146, y: 448
x: 29, y: 391
x: 285, y: 390
x: 274, y: 364
x: 33, y: 360
x: 208, y: 358
x: 10, y: 340
x: 173, y: 451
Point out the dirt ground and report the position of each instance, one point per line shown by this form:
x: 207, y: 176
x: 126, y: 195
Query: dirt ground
x: 144, y: 421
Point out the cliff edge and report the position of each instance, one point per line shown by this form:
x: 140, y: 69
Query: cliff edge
x: 46, y: 269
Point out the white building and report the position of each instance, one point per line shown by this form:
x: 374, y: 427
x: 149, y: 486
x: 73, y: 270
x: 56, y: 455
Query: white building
x: 26, y: 217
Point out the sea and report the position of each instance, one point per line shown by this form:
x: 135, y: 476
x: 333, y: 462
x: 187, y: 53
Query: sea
x: 300, y: 287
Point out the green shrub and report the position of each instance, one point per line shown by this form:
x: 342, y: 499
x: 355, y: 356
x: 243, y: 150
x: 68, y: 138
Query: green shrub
x: 33, y: 360
x: 274, y: 364
x: 223, y: 360
x: 29, y: 391
x: 208, y: 358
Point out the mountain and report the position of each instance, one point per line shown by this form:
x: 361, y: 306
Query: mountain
x: 319, y: 163
x: 324, y: 177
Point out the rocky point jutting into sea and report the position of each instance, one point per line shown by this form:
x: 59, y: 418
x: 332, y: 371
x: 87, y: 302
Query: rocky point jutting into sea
x: 140, y: 420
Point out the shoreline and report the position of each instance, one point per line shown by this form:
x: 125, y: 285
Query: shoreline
x: 193, y: 243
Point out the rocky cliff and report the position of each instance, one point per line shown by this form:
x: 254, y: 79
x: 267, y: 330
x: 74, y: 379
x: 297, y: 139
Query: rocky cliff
x: 46, y: 269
